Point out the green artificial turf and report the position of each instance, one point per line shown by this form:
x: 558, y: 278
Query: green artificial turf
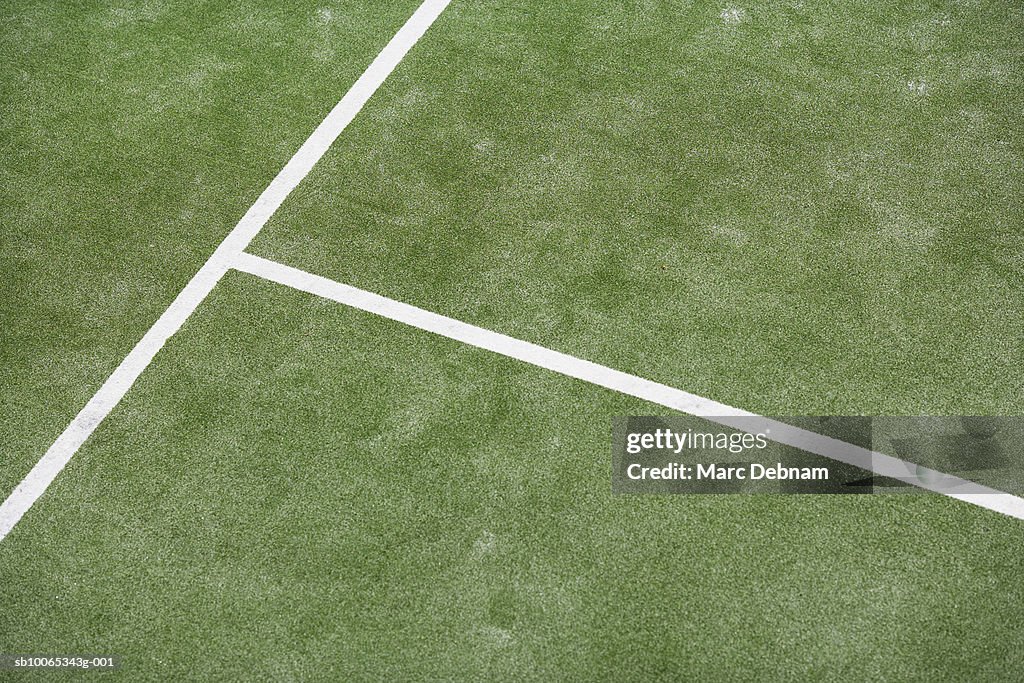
x: 283, y: 496
x: 793, y: 207
x: 802, y: 208
x: 134, y: 137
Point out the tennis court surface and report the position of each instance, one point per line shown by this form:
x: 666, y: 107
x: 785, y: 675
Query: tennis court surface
x: 315, y: 320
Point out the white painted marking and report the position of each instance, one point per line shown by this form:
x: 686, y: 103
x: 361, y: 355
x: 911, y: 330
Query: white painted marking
x: 124, y: 376
x: 780, y: 432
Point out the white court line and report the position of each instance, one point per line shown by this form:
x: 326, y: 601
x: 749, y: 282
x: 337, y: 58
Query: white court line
x: 109, y: 395
x: 879, y: 463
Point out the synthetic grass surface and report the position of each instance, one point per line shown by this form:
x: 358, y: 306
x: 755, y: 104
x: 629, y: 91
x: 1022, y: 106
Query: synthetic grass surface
x: 282, y: 496
x: 794, y: 207
x: 134, y: 137
x: 801, y: 207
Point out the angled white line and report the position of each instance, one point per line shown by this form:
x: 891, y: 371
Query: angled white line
x: 124, y: 376
x: 780, y: 432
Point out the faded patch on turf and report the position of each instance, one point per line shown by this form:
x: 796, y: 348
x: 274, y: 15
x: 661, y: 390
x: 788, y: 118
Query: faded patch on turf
x: 987, y: 67
x: 406, y: 104
x: 916, y: 235
x: 123, y: 16
x: 918, y: 86
x: 727, y: 233
x: 485, y: 147
x: 185, y: 89
x: 485, y: 544
x: 323, y: 21
x: 733, y: 16
x: 206, y: 70
x: 329, y: 27
x: 495, y: 636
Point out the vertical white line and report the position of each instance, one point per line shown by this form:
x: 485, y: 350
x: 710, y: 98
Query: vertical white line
x: 124, y: 376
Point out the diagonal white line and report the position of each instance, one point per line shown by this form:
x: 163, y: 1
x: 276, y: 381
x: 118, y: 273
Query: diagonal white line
x: 110, y: 394
x: 676, y: 399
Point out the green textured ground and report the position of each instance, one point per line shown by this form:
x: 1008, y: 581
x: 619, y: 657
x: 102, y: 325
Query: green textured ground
x: 134, y: 137
x: 283, y: 496
x: 793, y: 207
x: 763, y: 213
